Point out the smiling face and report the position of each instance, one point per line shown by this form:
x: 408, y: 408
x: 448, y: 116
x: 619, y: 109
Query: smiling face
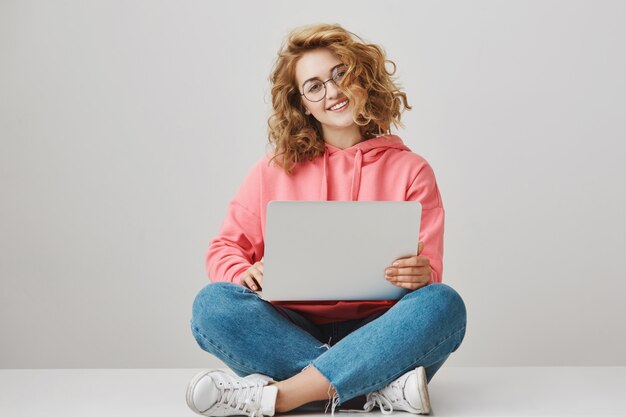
x: 319, y: 64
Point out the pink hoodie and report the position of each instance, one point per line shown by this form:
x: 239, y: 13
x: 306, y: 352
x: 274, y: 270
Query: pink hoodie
x: 377, y: 169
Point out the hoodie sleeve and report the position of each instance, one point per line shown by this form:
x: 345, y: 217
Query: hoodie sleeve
x: 239, y: 242
x: 424, y: 189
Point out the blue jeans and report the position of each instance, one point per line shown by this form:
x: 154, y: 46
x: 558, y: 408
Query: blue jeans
x: 250, y: 335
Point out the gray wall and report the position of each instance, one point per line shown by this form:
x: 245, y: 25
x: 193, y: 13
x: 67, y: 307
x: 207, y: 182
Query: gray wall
x: 126, y: 127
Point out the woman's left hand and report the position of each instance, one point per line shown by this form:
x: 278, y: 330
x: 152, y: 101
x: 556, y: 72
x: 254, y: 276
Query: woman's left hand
x: 412, y: 273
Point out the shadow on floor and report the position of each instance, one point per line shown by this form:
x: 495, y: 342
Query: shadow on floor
x: 355, y: 403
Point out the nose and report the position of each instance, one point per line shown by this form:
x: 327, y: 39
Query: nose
x: 331, y: 89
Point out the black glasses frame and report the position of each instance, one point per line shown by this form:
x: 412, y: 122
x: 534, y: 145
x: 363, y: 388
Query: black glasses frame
x: 324, y: 84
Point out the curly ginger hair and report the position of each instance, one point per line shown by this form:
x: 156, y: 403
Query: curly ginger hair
x: 376, y: 99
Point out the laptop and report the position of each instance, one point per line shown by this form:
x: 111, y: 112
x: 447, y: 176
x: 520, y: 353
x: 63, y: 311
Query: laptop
x: 336, y: 250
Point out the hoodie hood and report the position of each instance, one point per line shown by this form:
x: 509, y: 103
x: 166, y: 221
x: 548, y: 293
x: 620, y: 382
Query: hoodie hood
x: 364, y: 152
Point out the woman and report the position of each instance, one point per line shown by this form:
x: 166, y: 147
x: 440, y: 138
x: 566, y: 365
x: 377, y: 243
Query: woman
x: 333, y: 102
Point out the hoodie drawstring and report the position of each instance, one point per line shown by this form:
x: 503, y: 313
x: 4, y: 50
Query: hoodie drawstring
x: 324, y: 190
x: 356, y: 174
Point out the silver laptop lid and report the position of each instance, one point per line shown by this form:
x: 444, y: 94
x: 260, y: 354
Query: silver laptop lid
x: 336, y: 250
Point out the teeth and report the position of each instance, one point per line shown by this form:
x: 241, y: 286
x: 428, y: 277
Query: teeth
x: 339, y: 105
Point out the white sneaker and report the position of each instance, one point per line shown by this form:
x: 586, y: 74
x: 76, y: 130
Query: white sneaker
x: 259, y: 377
x: 217, y: 393
x: 407, y: 393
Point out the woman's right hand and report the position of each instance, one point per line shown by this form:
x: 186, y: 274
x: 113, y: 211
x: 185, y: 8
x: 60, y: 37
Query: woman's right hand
x: 253, y: 277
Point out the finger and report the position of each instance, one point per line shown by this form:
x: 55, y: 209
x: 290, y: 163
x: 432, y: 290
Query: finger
x: 256, y: 285
x: 411, y: 261
x: 409, y: 286
x: 260, y: 266
x: 248, y: 283
x: 420, y: 247
x: 410, y: 278
x: 411, y: 270
x: 406, y: 285
x: 414, y: 274
x: 401, y: 261
x: 257, y: 277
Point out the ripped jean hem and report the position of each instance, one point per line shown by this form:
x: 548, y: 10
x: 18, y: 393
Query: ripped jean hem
x: 411, y: 364
x: 333, y: 400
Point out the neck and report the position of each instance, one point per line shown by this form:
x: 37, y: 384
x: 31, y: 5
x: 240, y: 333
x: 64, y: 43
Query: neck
x: 344, y: 137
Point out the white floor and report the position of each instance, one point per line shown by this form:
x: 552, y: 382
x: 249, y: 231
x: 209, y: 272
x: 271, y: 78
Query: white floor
x: 454, y: 391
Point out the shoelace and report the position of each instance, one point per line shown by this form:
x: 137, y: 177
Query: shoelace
x: 239, y: 396
x: 376, y: 398
x: 381, y: 398
x: 373, y: 398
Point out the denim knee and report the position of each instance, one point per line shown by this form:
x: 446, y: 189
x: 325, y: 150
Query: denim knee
x: 451, y: 302
x: 447, y: 300
x: 210, y: 301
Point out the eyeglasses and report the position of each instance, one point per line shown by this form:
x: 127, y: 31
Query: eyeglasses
x: 315, y: 90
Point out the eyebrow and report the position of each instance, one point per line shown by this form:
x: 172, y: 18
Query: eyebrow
x: 331, y: 71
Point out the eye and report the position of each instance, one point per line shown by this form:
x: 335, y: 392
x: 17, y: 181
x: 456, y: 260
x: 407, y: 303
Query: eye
x: 340, y: 72
x: 313, y: 87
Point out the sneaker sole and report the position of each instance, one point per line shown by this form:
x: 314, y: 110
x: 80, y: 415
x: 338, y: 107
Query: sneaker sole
x: 191, y: 387
x: 422, y: 383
